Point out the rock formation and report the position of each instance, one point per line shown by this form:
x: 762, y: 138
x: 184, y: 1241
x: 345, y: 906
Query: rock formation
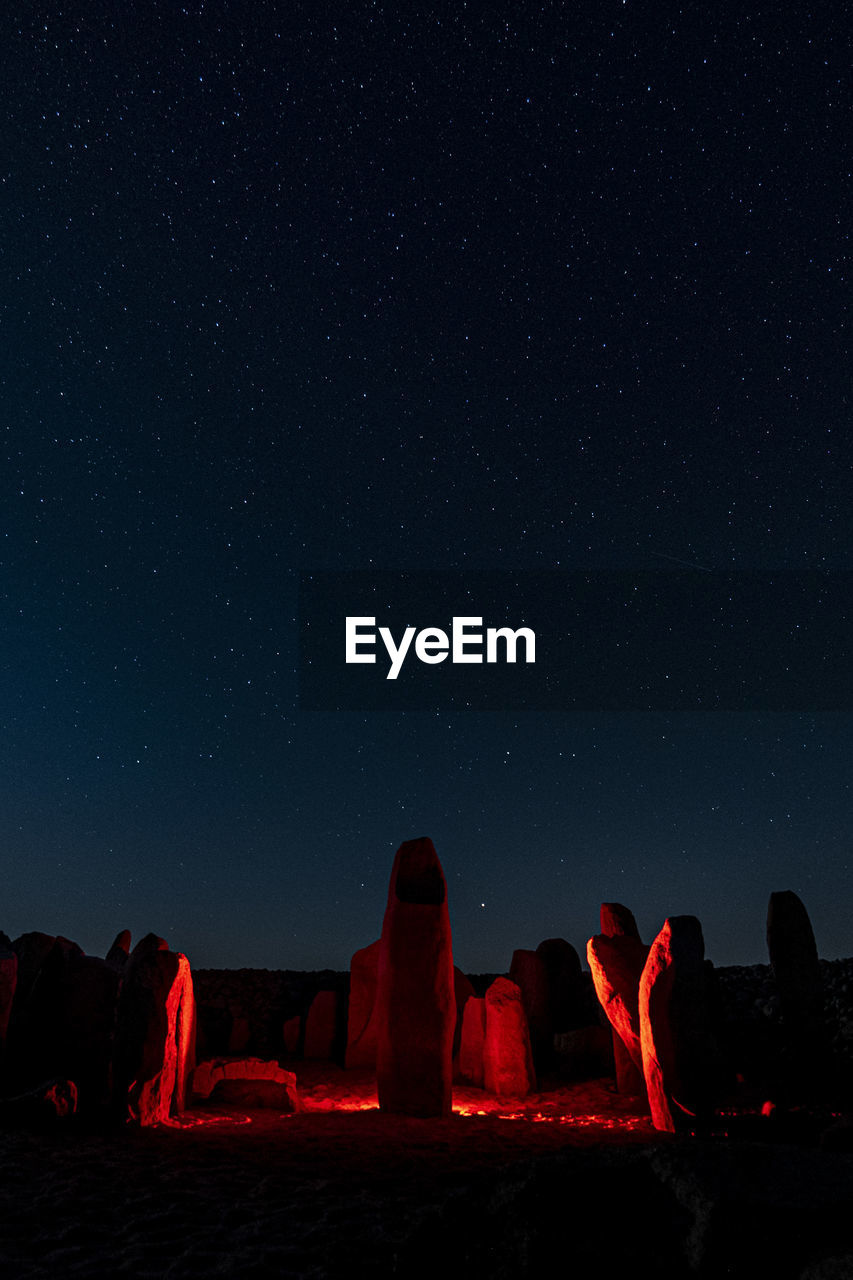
x: 321, y: 1025
x: 155, y: 1035
x: 361, y: 1016
x: 469, y: 1063
x: 507, y: 1058
x: 415, y: 1005
x: 247, y: 1082
x: 796, y: 970
x: 680, y: 1059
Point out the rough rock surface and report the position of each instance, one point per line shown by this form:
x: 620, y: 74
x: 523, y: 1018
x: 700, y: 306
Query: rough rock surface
x: 507, y: 1058
x: 49, y: 1102
x: 617, y: 921
x: 530, y: 975
x: 680, y: 1058
x: 616, y: 963
x: 415, y: 1003
x: 473, y: 1041
x: 155, y: 1035
x: 321, y: 1027
x: 242, y: 1080
x: 361, y: 1017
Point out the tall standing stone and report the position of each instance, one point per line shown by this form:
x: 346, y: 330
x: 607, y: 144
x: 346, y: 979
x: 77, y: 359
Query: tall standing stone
x: 361, y: 1012
x: 472, y: 1043
x: 8, y: 982
x: 616, y: 965
x: 507, y: 1057
x: 617, y: 921
x: 680, y: 1058
x: 155, y: 1036
x: 567, y: 995
x: 118, y: 954
x: 321, y: 1026
x: 415, y: 1004
x: 796, y: 969
x: 530, y: 975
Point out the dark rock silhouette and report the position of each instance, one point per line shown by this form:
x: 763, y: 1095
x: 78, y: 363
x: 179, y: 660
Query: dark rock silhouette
x: 118, y: 954
x: 415, y: 1005
x: 8, y: 983
x: 530, y: 975
x: 463, y: 991
x: 473, y: 1042
x: 321, y: 1026
x: 796, y: 970
x: 567, y: 997
x: 41, y: 1107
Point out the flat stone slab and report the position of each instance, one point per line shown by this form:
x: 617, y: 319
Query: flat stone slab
x: 248, y: 1082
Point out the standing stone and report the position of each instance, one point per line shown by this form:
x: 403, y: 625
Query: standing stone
x: 86, y: 1024
x: 680, y: 1058
x: 155, y: 1037
x: 473, y: 1042
x: 530, y: 975
x: 463, y: 991
x: 38, y: 1019
x: 796, y: 969
x: 321, y: 1027
x: 290, y: 1034
x: 118, y: 953
x: 616, y: 965
x: 361, y: 1015
x: 567, y: 998
x: 8, y: 982
x: 415, y: 1005
x: 507, y: 1058
x: 617, y: 921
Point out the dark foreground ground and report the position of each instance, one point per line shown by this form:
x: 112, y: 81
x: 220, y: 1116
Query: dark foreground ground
x: 573, y: 1178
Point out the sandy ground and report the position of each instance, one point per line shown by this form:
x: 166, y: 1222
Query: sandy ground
x: 571, y: 1181
x: 338, y: 1189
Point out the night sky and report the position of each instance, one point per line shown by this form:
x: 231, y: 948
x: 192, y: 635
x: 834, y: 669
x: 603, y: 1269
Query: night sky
x: 290, y: 288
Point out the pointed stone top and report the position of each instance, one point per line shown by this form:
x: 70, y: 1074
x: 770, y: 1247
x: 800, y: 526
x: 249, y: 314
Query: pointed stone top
x: 617, y: 921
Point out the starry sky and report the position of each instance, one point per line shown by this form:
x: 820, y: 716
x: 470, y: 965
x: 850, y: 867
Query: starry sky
x: 298, y: 288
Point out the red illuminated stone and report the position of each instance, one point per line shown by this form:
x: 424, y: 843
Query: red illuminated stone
x: 680, y: 1058
x: 155, y: 1036
x: 247, y: 1082
x: 361, y: 1016
x: 472, y: 1042
x: 616, y: 964
x: 507, y: 1058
